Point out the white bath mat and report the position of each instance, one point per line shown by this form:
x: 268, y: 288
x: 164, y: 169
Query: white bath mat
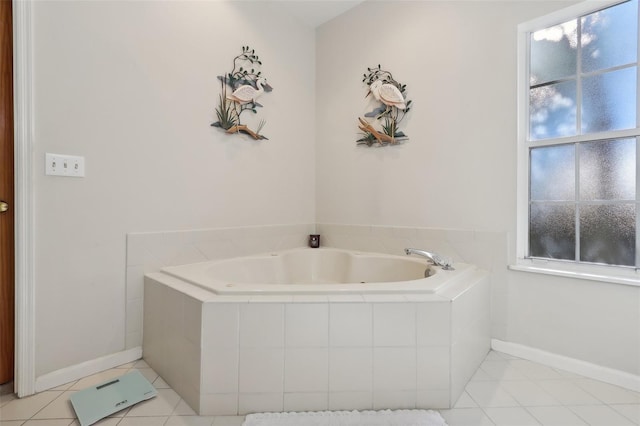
x: 348, y: 418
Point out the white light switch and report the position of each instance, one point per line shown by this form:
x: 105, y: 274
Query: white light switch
x: 64, y: 165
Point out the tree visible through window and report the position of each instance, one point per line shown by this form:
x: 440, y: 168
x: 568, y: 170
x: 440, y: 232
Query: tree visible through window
x: 582, y: 138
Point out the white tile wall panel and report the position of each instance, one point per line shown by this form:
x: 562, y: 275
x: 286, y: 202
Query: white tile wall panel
x: 261, y: 370
x: 394, y: 324
x: 262, y: 325
x: 350, y: 369
x: 306, y: 370
x: 351, y: 324
x: 250, y: 354
x: 307, y: 325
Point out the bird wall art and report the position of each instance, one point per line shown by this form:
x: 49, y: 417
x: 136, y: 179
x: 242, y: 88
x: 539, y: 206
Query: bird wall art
x: 392, y: 105
x: 240, y: 90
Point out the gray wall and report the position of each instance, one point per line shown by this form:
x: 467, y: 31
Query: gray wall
x: 458, y: 171
x: 132, y: 87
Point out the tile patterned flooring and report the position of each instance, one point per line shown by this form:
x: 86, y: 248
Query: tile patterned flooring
x: 504, y: 391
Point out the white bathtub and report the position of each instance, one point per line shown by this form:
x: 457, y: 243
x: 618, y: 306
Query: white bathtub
x: 318, y: 271
x: 314, y: 330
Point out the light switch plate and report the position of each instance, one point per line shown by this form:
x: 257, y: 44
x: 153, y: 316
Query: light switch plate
x: 64, y: 165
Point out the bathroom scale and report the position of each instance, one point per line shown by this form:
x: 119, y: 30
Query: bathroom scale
x: 97, y: 402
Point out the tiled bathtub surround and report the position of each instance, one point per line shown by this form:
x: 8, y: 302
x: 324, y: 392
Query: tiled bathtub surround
x: 308, y: 351
x: 485, y: 249
x: 228, y: 355
x: 150, y: 251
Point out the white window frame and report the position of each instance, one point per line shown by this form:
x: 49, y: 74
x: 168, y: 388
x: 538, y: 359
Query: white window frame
x: 614, y: 274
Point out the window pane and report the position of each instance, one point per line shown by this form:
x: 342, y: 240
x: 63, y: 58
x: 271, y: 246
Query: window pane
x: 608, y: 170
x: 553, y: 53
x: 552, y: 231
x: 610, y: 37
x: 609, y: 101
x: 553, y: 111
x: 552, y: 173
x: 607, y: 234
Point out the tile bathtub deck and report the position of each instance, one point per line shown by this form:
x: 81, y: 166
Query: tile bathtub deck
x: 504, y: 391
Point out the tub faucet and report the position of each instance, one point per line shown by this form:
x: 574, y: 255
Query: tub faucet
x: 432, y: 257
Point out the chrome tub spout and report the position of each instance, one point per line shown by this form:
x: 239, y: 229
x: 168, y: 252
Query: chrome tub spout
x: 431, y: 257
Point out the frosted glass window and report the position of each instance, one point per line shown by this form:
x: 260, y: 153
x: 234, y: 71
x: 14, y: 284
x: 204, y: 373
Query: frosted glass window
x: 554, y: 53
x: 552, y: 231
x: 610, y: 37
x: 609, y: 101
x: 581, y: 125
x: 553, y: 173
x: 553, y: 110
x: 608, y: 234
x: 608, y: 170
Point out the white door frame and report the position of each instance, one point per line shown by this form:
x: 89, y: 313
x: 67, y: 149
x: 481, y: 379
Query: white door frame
x: 25, y: 378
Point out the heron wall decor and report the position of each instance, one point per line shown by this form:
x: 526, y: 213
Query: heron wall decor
x: 240, y: 89
x: 391, y: 107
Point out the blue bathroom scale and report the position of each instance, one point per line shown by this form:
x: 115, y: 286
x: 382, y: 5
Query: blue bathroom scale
x: 97, y: 402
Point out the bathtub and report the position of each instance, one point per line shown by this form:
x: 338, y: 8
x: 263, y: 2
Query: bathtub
x: 316, y: 329
x: 318, y: 271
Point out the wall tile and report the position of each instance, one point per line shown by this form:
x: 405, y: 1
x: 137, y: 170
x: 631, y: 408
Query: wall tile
x: 350, y: 369
x: 433, y: 368
x: 328, y: 352
x: 261, y: 370
x: 220, y: 325
x: 220, y: 370
x: 150, y: 251
x: 394, y: 369
x: 394, y: 324
x: 193, y: 320
x: 300, y: 401
x: 173, y: 306
x: 351, y: 324
x: 306, y: 370
x: 218, y: 249
x: 191, y: 363
x: 307, y: 324
x: 262, y: 325
x: 433, y: 323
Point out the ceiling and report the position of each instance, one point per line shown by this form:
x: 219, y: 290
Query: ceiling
x: 314, y: 12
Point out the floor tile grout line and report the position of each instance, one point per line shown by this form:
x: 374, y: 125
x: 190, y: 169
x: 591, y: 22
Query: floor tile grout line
x: 45, y: 406
x: 622, y: 414
x: 528, y: 410
x: 578, y: 414
x: 623, y: 390
x: 487, y: 415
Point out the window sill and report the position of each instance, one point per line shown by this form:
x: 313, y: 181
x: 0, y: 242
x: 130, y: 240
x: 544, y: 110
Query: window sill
x: 629, y: 277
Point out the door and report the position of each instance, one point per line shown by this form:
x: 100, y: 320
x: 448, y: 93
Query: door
x: 7, y: 283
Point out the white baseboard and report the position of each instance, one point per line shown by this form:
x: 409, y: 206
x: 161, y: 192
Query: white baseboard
x: 583, y: 368
x: 76, y: 372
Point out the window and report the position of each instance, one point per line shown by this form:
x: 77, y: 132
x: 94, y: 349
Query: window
x: 578, y: 132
